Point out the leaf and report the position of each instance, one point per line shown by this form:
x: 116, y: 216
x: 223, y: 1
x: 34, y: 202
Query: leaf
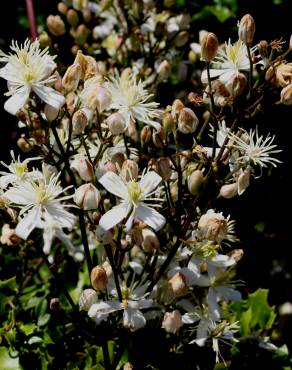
x: 43, y: 320
x: 34, y: 340
x: 9, y: 284
x: 33, y: 302
x: 41, y: 307
x: 7, y: 362
x: 29, y: 328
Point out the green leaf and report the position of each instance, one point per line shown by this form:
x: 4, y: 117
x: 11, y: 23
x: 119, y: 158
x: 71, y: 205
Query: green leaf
x: 7, y: 362
x: 43, y: 320
x: 41, y: 307
x: 9, y: 284
x: 33, y: 302
x: 29, y: 328
x: 34, y: 340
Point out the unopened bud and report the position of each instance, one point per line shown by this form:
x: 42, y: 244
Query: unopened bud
x: 150, y: 241
x: 81, y: 34
x: 187, y: 121
x: 72, y: 17
x: 172, y: 321
x: 129, y: 170
x: 178, y: 285
x: 62, y: 8
x: 71, y: 78
x: 181, y: 39
x: 177, y: 106
x: 243, y: 181
x: 87, y: 197
x: 128, y: 366
x: 164, y: 70
x: 195, y: 181
x: 80, y: 120
x: 145, y: 135
x: 168, y: 123
x: 236, y: 254
x: 55, y: 304
x: 213, y: 226
x: 236, y: 84
x: 158, y: 138
x: 98, y: 278
x: 163, y: 168
x: 56, y: 25
x: 51, y: 113
x: 44, y: 40
x: 286, y: 95
x: 209, y: 44
x: 84, y: 169
x: 116, y: 123
x: 246, y: 29
x: 228, y: 191
x: 87, y: 299
x: 25, y: 145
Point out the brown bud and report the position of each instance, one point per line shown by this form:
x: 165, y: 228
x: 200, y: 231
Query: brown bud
x: 98, y: 278
x: 51, y: 113
x: 62, y: 8
x: 150, y: 241
x: 177, y: 106
x: 72, y: 17
x: 158, y: 138
x: 164, y: 69
x: 178, y: 284
x: 172, y: 321
x: 236, y: 84
x: 187, y: 121
x: 209, y: 44
x: 25, y: 145
x: 286, y: 95
x: 71, y: 78
x: 130, y: 170
x: 56, y: 25
x: 116, y: 123
x: 87, y: 299
x: 168, y: 123
x: 87, y: 197
x: 145, y: 134
x: 195, y: 181
x: 54, y: 304
x: 84, y: 169
x: 80, y: 120
x: 246, y: 29
x: 181, y: 39
x: 228, y: 191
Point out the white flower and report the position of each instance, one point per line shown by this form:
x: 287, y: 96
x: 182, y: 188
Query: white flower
x: 29, y: 69
x: 131, y: 99
x: 254, y: 149
x: 230, y: 59
x: 133, y: 195
x: 40, y: 204
x: 18, y: 171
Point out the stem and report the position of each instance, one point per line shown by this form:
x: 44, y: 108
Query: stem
x: 250, y: 66
x: 212, y: 109
x: 106, y: 358
x: 110, y: 256
x: 126, y: 146
x: 31, y: 19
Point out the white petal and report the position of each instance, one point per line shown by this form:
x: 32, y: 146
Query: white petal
x: 6, y: 180
x: 149, y: 182
x: 17, y: 100
x: 212, y: 300
x: 141, y: 303
x: 28, y: 223
x: 49, y: 95
x: 202, y: 334
x: 151, y: 217
x: 48, y: 235
x: 229, y: 294
x: 114, y: 184
x: 59, y: 216
x: 222, y: 260
x: 190, y: 318
x: 133, y: 319
x: 104, y: 308
x: 213, y: 73
x: 112, y: 217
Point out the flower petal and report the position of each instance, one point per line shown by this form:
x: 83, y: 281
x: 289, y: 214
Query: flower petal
x: 151, y: 217
x: 114, y: 216
x: 133, y: 319
x: 17, y: 100
x: 213, y: 73
x: 28, y: 223
x: 114, y: 184
x: 49, y: 95
x: 149, y: 182
x: 212, y: 300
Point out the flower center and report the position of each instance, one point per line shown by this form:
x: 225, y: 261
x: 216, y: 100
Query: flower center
x: 20, y: 169
x: 41, y: 194
x: 134, y: 191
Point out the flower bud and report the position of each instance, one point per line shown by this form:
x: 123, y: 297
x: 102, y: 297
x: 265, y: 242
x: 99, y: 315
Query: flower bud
x: 163, y: 168
x: 286, y: 95
x: 87, y: 197
x: 80, y: 120
x: 168, y: 123
x: 236, y: 84
x: 181, y: 39
x: 98, y: 278
x: 145, y: 135
x: 56, y: 25
x: 62, y: 8
x: 71, y: 78
x: 87, y: 299
x: 187, y: 121
x: 195, y: 181
x: 236, y: 254
x: 150, y: 241
x: 213, y: 226
x: 84, y: 169
x: 55, y: 304
x: 177, y: 106
x: 72, y: 17
x: 51, y: 113
x: 128, y: 366
x: 44, y: 40
x: 228, y: 191
x: 209, y: 44
x: 178, y: 285
x: 246, y: 29
x: 8, y: 235
x: 243, y: 181
x: 164, y: 70
x: 158, y: 138
x: 116, y: 123
x: 81, y: 34
x: 172, y: 321
x: 130, y: 170
x: 25, y: 145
